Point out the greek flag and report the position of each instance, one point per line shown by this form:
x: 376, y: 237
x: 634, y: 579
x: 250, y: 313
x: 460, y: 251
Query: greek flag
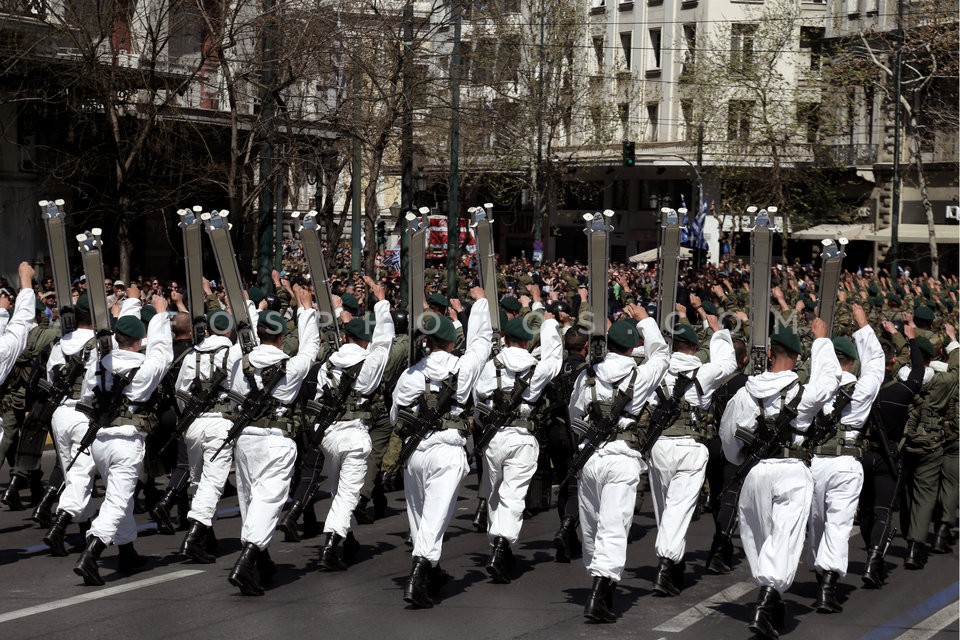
x: 697, y: 239
x: 392, y: 259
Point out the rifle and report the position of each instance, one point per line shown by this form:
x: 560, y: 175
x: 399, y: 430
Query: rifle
x: 761, y: 254
x: 197, y: 401
x: 895, y: 465
x: 254, y: 405
x: 761, y: 445
x: 49, y: 397
x: 599, y: 432
x: 666, y: 413
x: 102, y: 418
x: 825, y: 426
x: 497, y: 416
x: 330, y: 407
x: 429, y: 418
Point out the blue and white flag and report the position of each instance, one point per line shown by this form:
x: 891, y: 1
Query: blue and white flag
x: 697, y: 239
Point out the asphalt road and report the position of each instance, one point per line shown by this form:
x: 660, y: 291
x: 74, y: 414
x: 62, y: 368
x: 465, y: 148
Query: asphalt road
x: 42, y: 598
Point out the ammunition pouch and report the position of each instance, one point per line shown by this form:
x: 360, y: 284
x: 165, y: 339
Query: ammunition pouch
x: 840, y: 446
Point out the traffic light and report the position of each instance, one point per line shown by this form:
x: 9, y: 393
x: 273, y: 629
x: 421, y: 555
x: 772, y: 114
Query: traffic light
x: 629, y: 153
x: 381, y: 232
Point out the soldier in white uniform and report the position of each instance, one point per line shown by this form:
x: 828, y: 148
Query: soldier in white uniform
x: 512, y: 453
x: 346, y: 443
x: 118, y: 450
x: 678, y: 459
x: 14, y: 333
x: 837, y: 472
x: 607, y: 488
x: 776, y: 494
x: 265, y: 451
x: 439, y: 463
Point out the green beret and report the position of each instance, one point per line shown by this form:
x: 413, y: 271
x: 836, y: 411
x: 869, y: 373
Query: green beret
x: 624, y: 334
x: 686, y: 333
x: 256, y: 295
x: 349, y: 302
x: 893, y: 298
x: 932, y: 304
x: 503, y: 319
x: 948, y: 303
x: 925, y: 290
x: 439, y: 327
x: 873, y: 290
x: 438, y: 300
x: 775, y: 282
x: 809, y: 304
x: 877, y: 301
x: 845, y: 346
x: 510, y: 304
x: 785, y: 337
x: 515, y: 329
x: 147, y: 312
x: 39, y: 306
x: 900, y: 291
x: 927, y: 347
x: 220, y: 322
x: 359, y: 329
x: 83, y: 303
x: 131, y: 327
x: 272, y: 322
x: 710, y: 308
x: 923, y: 312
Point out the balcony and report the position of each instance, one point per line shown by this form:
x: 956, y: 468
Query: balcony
x: 845, y: 155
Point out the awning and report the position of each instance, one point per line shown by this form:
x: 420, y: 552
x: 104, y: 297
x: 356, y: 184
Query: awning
x: 918, y: 234
x: 652, y: 255
x: 832, y: 231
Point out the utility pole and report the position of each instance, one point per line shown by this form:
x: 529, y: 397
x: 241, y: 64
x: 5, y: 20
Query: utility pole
x: 453, y: 202
x: 895, y: 203
x: 355, y: 167
x: 406, y: 155
x: 538, y: 178
x: 278, y: 221
x: 699, y: 183
x: 267, y: 115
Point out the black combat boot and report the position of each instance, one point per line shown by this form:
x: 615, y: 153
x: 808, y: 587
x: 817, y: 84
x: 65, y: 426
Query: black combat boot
x: 43, y: 514
x: 768, y: 614
x: 86, y: 566
x: 562, y: 539
x: 84, y: 530
x: 360, y: 512
x: 827, y: 598
x: 160, y: 513
x: 499, y: 559
x: 54, y: 537
x: 311, y: 528
x: 415, y: 593
x: 916, y: 556
x: 130, y: 560
x: 195, y: 544
x: 436, y: 579
x: 598, y: 604
x: 480, y: 517
x: 266, y: 567
x: 666, y: 583
x: 329, y: 557
x: 244, y: 573
x: 379, y: 501
x: 37, y: 488
x: 11, y: 497
x: 941, y: 543
x: 720, y: 559
x: 211, y: 544
x: 873, y: 577
x: 351, y: 546
x: 288, y: 522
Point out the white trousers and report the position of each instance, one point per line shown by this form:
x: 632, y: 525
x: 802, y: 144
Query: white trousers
x: 677, y: 469
x: 345, y: 452
x: 69, y: 426
x: 265, y: 459
x: 607, y: 492
x: 118, y: 455
x: 430, y: 485
x: 837, y: 482
x: 511, y: 461
x: 207, y: 476
x: 774, y: 505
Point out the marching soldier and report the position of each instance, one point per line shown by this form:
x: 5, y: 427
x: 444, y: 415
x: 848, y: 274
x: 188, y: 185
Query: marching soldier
x: 607, y: 485
x: 15, y: 332
x: 775, y: 500
x: 119, y: 387
x: 678, y: 459
x: 346, y: 443
x: 836, y: 469
x: 439, y: 463
x: 511, y: 453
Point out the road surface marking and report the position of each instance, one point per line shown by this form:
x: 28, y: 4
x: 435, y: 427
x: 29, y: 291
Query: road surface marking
x: 96, y: 595
x: 932, y: 625
x: 705, y: 608
x: 919, y: 614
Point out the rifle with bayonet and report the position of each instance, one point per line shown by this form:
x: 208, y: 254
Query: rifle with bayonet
x: 193, y: 257
x: 487, y: 267
x: 414, y: 427
x: 418, y: 230
x: 761, y: 255
x: 495, y: 418
x: 668, y: 269
x: 598, y: 230
x: 310, y: 236
x: 218, y: 229
x: 255, y: 404
x: 665, y: 414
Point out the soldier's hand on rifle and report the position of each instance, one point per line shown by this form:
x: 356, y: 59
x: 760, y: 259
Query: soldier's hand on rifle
x: 859, y: 316
x: 375, y: 288
x: 477, y: 293
x: 304, y: 297
x: 159, y: 303
x: 819, y: 328
x: 26, y: 273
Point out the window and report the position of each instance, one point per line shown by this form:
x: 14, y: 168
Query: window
x: 686, y: 110
x: 853, y: 7
x: 485, y: 60
x: 871, y: 6
x: 653, y: 123
x: 655, y: 36
x: 466, y: 56
x: 508, y: 64
x: 741, y: 47
x: 808, y: 120
x: 598, y: 51
x: 626, y: 44
x: 811, y: 43
x: 738, y: 120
